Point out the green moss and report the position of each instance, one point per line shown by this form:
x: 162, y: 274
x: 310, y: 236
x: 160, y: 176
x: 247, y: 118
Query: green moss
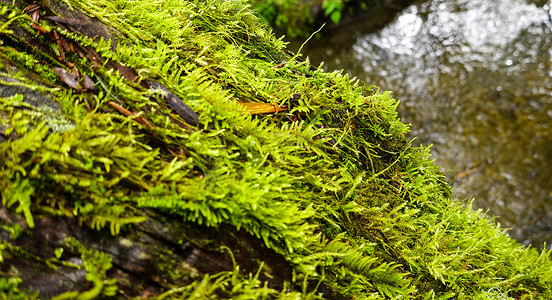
x: 96, y: 265
x: 9, y: 289
x: 331, y: 185
x: 31, y: 63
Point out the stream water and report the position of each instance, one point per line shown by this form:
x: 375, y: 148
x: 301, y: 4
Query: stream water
x: 474, y: 78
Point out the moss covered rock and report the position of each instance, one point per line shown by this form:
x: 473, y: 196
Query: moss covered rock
x: 176, y: 149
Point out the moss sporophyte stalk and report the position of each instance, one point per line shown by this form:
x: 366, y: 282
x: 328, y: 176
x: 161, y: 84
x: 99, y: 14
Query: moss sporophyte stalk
x: 175, y: 149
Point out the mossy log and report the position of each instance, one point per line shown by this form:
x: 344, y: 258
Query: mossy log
x: 176, y: 149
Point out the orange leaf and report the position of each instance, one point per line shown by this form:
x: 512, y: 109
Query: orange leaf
x: 261, y: 108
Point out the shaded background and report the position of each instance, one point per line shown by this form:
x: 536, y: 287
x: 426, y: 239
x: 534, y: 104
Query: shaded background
x: 474, y: 79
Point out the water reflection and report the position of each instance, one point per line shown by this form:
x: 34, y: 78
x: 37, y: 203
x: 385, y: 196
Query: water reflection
x: 475, y: 80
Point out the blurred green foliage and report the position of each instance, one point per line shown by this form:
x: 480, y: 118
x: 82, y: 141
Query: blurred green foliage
x: 299, y: 18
